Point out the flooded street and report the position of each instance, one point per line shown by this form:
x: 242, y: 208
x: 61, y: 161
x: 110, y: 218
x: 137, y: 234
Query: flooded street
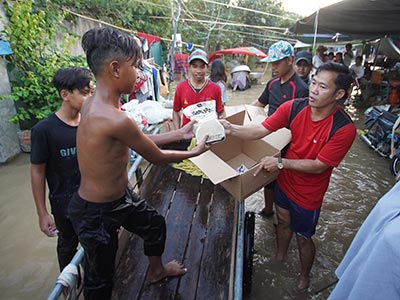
x: 28, y: 257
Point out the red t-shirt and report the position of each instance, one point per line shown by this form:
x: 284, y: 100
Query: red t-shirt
x: 310, y: 140
x: 186, y: 95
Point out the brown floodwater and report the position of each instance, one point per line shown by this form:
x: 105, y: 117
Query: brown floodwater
x: 28, y: 258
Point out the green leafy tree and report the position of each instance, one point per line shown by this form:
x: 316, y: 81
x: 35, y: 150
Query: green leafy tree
x: 35, y: 59
x: 233, y: 23
x: 153, y: 17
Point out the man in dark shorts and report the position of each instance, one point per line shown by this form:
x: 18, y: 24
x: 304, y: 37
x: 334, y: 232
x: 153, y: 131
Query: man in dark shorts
x: 287, y: 85
x: 105, y: 201
x: 322, y: 134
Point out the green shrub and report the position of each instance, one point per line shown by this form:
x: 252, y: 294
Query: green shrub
x: 31, y: 34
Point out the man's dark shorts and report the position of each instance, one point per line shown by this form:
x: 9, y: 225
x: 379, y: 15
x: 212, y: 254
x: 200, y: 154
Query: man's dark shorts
x: 302, y: 221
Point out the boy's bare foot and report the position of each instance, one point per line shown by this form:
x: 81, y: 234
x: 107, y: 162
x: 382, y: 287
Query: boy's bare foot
x: 303, y: 283
x: 171, y: 269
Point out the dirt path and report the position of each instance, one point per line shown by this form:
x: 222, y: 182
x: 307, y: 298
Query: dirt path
x: 245, y: 97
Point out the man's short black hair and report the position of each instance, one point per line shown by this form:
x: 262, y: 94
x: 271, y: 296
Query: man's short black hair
x: 104, y: 43
x: 72, y: 78
x: 343, y: 79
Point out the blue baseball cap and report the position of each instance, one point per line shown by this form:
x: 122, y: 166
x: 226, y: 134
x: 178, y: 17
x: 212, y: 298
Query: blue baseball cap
x: 198, y: 54
x: 279, y: 51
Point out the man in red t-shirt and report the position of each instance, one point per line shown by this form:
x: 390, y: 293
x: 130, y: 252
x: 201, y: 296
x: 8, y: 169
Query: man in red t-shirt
x: 322, y: 134
x: 196, y: 89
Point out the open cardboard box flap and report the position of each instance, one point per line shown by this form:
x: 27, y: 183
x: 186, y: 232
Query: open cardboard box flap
x: 255, y: 111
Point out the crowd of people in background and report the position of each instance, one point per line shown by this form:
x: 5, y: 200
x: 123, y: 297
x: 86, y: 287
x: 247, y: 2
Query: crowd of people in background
x: 305, y: 90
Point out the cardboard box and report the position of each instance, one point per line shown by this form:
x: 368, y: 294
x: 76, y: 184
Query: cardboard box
x: 222, y: 162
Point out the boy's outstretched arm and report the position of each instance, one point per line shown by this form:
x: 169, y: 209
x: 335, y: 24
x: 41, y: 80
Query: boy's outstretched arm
x: 184, y: 133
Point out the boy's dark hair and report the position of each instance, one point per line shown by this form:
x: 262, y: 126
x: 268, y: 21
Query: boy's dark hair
x: 217, y: 71
x: 103, y: 43
x: 72, y: 78
x: 343, y: 79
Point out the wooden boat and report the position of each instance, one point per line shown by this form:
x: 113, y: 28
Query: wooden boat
x: 207, y: 230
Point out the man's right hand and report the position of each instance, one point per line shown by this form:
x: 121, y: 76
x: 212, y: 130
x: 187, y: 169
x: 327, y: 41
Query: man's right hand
x: 227, y: 126
x: 47, y: 225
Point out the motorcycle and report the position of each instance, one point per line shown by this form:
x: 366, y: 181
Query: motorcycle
x: 380, y: 134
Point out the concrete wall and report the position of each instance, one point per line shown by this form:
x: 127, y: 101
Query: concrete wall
x: 9, y: 145
x: 79, y: 26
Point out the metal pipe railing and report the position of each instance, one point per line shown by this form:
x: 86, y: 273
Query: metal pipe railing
x: 239, y: 254
x: 58, y: 288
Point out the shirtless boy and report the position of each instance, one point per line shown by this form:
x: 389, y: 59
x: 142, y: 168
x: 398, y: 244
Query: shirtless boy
x: 105, y: 200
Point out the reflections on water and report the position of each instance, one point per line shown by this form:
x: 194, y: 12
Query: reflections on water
x: 355, y: 186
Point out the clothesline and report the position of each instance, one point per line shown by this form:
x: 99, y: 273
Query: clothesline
x: 114, y: 26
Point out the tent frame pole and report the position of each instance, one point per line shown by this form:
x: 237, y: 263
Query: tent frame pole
x: 315, y: 29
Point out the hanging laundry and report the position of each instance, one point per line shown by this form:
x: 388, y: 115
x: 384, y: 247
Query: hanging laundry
x: 181, y: 65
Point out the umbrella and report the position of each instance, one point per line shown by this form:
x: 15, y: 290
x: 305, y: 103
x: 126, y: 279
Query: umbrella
x: 240, y: 50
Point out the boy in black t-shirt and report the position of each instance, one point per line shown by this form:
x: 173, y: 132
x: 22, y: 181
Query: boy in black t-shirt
x: 53, y: 158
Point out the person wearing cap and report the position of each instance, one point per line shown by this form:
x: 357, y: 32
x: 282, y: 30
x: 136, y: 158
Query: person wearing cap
x: 303, y: 65
x: 287, y: 85
x: 197, y: 88
x: 319, y: 57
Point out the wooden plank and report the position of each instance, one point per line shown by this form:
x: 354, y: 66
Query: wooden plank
x: 188, y: 284
x: 179, y: 219
x: 131, y: 269
x: 216, y: 262
x: 199, y: 233
x: 159, y: 187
